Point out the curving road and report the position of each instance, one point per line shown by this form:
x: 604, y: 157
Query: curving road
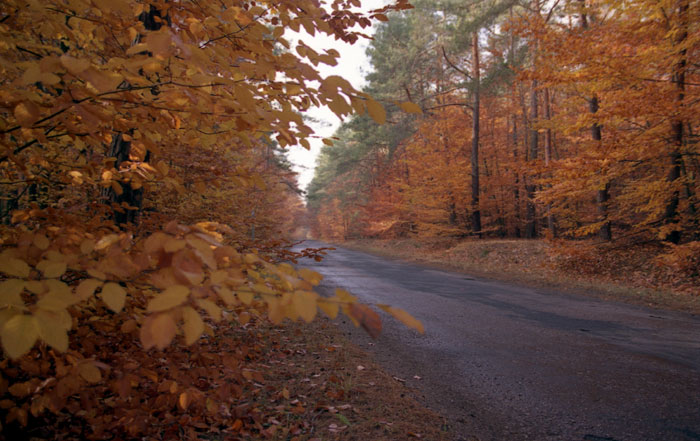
x: 503, y: 362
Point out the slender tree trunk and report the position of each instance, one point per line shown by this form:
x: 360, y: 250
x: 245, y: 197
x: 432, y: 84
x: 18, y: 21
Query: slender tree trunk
x: 120, y: 149
x: 678, y: 78
x: 514, y: 139
x: 603, y: 195
x: 476, y: 214
x: 531, y: 210
x: 516, y: 184
x: 547, y: 159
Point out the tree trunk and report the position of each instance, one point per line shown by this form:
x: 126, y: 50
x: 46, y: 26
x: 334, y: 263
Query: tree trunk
x: 120, y: 150
x: 678, y: 79
x: 476, y: 214
x: 516, y: 184
x: 531, y: 211
x: 603, y: 195
x: 547, y: 158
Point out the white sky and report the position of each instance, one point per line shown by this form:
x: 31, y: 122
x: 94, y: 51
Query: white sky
x: 352, y: 65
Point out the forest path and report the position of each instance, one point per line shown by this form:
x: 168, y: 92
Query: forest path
x: 510, y: 363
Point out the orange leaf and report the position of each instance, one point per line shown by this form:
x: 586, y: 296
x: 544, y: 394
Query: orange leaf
x: 158, y: 331
x: 404, y: 317
x: 90, y: 372
x: 367, y: 318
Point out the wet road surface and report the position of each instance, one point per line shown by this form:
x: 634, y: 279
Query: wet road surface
x: 503, y: 362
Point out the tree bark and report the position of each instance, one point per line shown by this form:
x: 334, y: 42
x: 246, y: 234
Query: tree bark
x: 603, y: 194
x: 551, y: 226
x: 531, y: 210
x: 678, y: 135
x: 476, y: 214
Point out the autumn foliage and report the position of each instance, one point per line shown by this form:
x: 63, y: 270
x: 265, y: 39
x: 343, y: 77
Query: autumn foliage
x: 573, y: 119
x: 145, y: 200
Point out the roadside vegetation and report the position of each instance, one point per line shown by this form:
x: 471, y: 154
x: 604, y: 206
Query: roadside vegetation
x: 625, y: 274
x: 146, y: 207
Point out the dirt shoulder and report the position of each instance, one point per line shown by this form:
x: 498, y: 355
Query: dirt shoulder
x: 336, y: 392
x: 628, y: 275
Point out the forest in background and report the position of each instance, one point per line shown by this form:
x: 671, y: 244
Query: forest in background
x: 572, y: 119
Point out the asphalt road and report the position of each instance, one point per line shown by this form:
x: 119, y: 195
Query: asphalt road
x: 503, y: 362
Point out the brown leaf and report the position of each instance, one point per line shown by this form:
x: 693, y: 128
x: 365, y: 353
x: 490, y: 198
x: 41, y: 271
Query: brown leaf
x: 367, y: 318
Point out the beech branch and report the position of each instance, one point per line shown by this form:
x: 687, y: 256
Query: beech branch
x: 466, y: 74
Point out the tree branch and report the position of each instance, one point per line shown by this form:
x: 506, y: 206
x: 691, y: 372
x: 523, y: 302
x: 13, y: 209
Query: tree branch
x: 452, y: 64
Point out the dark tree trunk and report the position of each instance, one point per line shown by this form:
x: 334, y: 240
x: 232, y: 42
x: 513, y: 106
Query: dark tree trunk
x: 126, y: 206
x: 476, y: 213
x: 551, y: 225
x: 603, y: 194
x: 531, y: 210
x: 678, y: 79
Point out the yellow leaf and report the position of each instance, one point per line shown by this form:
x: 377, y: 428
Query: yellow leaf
x: 27, y: 113
x: 155, y: 242
x: 159, y: 42
x: 367, y: 318
x: 106, y: 241
x: 409, y: 107
x: 193, y: 325
x: 211, y: 308
x: 52, y: 269
x: 18, y: 335
x: 92, y: 272
x: 35, y: 287
x: 161, y: 329
x: 137, y: 48
x: 102, y: 81
x: 90, y: 372
x: 217, y: 277
x: 41, y: 241
x: 14, y: 267
x: 312, y: 277
x: 184, y: 400
x: 243, y: 318
x: 245, y: 296
x: 87, y: 246
x: 170, y: 298
x: 187, y: 267
x: 114, y: 296
x: 6, y: 314
x: 57, y: 300
x: 86, y: 288
x: 171, y: 245
x: 329, y: 308
x: 305, y: 304
x: 51, y: 329
x: 116, y: 187
x: 227, y: 296
x: 376, y: 111
x: 10, y: 293
x: 202, y: 250
x: 404, y: 317
x: 345, y: 296
x: 74, y: 65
